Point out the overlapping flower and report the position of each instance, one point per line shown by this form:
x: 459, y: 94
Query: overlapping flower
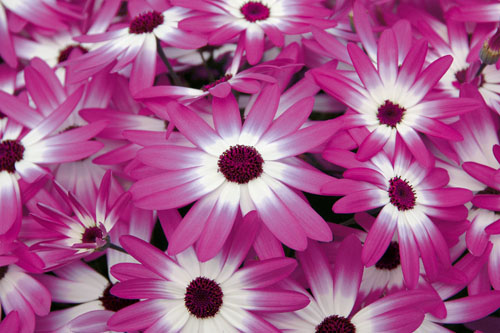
x: 249, y: 165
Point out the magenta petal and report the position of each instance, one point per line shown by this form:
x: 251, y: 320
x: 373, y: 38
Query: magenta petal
x: 269, y: 300
x: 471, y: 308
x: 483, y: 173
x: 7, y: 51
x: 194, y: 128
x: 191, y: 227
x: 147, y: 288
x: 151, y: 257
x: 254, y: 43
x: 62, y: 153
x: 487, y: 201
x: 276, y: 216
x: 380, y: 235
x: 374, y: 142
x: 430, y: 76
x: 445, y: 197
x: 319, y: 276
x: 137, y: 316
x: 415, y: 144
x: 347, y: 274
x: 387, y: 57
x: 10, y: 323
x: 19, y: 111
x: 91, y: 322
x: 262, y: 274
x: 261, y: 113
x: 361, y: 201
x: 10, y: 201
x: 412, y: 64
x: 220, y: 222
x: 227, y: 117
x: 144, y: 66
x: 409, y: 254
x: 364, y: 68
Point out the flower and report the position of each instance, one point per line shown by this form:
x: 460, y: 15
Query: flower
x: 391, y: 102
x: 334, y: 294
x: 246, y: 166
x: 182, y: 293
x: 86, y: 232
x: 136, y: 44
x: 409, y: 196
x: 252, y: 20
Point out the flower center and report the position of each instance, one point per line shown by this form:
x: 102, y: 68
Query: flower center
x: 3, y: 271
x: 11, y: 152
x: 390, y: 114
x: 145, y: 22
x: 203, y: 297
x: 213, y: 84
x: 255, y: 11
x: 91, y: 235
x: 390, y: 259
x: 240, y: 164
x: 401, y: 194
x: 112, y: 303
x: 64, y: 54
x: 336, y: 324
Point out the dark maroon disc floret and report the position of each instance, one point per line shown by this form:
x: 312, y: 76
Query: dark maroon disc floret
x: 390, y: 259
x: 255, y: 11
x: 401, y: 194
x: 240, y: 164
x: 145, y: 22
x: 11, y: 152
x: 390, y: 114
x: 337, y: 324
x: 91, y: 234
x: 112, y: 303
x: 203, y: 297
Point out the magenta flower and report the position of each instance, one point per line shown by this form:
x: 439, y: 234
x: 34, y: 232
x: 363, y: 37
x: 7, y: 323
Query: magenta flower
x: 19, y: 291
x: 409, y: 196
x: 390, y: 102
x: 86, y: 232
x: 247, y: 166
x: 334, y: 295
x: 250, y: 21
x: 182, y: 294
x: 21, y: 153
x: 136, y: 44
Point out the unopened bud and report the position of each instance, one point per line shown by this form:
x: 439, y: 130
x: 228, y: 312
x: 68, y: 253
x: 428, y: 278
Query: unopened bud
x: 490, y: 52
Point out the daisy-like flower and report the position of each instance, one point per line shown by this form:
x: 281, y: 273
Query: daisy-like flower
x: 22, y: 153
x: 332, y: 307
x: 84, y: 233
x: 409, y: 196
x: 247, y: 166
x: 252, y: 20
x: 19, y: 291
x: 390, y: 101
x: 136, y: 43
x: 182, y: 294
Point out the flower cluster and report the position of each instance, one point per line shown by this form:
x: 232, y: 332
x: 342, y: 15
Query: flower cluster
x: 249, y: 166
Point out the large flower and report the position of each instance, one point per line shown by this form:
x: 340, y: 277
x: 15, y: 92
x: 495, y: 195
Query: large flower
x: 251, y: 20
x: 334, y: 292
x: 390, y: 101
x: 409, y: 196
x: 237, y: 164
x: 181, y: 293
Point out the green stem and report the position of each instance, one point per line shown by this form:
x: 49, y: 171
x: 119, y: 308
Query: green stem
x: 163, y: 57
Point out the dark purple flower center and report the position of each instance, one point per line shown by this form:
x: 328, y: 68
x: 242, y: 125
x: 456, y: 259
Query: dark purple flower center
x: 240, y: 164
x: 145, y: 22
x: 390, y: 259
x: 461, y: 77
x: 401, y: 194
x: 489, y: 190
x: 11, y: 152
x: 335, y: 324
x: 112, y: 303
x: 213, y: 84
x: 203, y: 297
x: 390, y: 114
x: 64, y: 54
x: 255, y: 11
x: 3, y: 271
x: 91, y: 235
